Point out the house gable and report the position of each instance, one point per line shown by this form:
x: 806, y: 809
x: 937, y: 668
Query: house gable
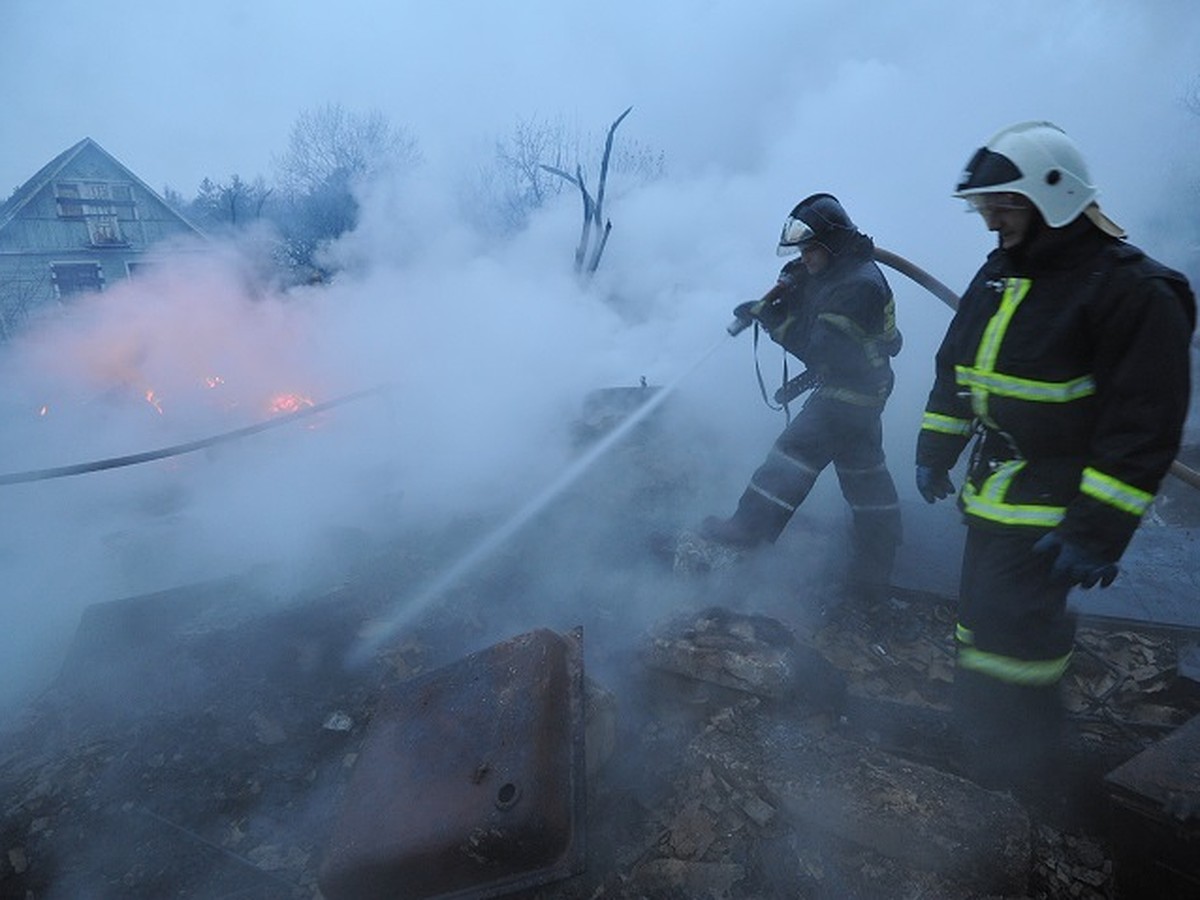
x: 80, y: 223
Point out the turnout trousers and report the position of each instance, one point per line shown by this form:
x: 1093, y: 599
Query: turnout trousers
x: 851, y: 438
x: 1014, y: 639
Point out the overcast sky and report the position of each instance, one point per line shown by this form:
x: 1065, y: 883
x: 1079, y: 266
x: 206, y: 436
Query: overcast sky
x: 880, y: 102
x: 180, y: 90
x: 754, y: 104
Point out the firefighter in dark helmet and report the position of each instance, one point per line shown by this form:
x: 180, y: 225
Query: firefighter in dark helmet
x: 832, y: 309
x: 1067, y: 365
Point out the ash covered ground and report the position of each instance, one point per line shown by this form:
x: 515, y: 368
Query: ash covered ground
x: 198, y: 742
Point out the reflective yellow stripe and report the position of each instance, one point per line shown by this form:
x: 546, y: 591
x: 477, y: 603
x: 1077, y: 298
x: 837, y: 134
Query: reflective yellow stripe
x: 1115, y: 492
x: 963, y: 634
x: 868, y: 342
x: 988, y: 501
x: 843, y: 323
x: 982, y: 378
x: 848, y: 396
x: 787, y: 459
x: 1028, y: 672
x: 889, y: 320
x: 945, y: 424
x: 1015, y: 290
x: 773, y: 498
x: 1025, y: 388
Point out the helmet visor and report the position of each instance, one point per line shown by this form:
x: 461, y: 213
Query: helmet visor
x: 996, y: 202
x: 794, y: 233
x: 987, y: 169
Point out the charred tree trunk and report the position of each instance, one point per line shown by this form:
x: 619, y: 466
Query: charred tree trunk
x: 593, y: 237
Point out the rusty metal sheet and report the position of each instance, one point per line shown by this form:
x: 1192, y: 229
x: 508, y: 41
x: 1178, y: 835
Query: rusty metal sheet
x: 471, y: 780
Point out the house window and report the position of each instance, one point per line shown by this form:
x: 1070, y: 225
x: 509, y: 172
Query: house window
x: 139, y: 268
x: 104, y: 231
x: 76, y: 278
x: 67, y: 195
x: 102, y: 204
x: 122, y: 199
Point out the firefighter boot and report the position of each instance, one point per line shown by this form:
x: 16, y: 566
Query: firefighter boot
x: 1011, y: 735
x: 731, y: 532
x: 869, y: 575
x: 719, y: 543
x: 756, y: 521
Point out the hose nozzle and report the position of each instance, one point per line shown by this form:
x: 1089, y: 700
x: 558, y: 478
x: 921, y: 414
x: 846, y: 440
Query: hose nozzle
x: 738, y: 325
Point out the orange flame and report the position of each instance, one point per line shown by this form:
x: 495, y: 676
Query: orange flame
x: 153, y: 400
x: 289, y: 403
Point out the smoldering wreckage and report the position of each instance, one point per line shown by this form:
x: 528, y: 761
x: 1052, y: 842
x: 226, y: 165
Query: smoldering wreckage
x: 777, y: 740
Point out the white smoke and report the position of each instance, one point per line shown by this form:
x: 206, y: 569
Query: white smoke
x: 486, y: 345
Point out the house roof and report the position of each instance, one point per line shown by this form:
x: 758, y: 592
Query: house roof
x: 47, y: 173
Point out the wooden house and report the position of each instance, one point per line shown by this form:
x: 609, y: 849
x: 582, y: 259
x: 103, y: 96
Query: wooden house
x: 83, y: 222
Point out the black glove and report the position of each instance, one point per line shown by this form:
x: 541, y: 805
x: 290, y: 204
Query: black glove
x: 1075, y: 564
x: 934, y: 484
x: 747, y: 311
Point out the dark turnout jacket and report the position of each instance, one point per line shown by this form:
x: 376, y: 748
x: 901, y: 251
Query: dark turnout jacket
x: 1070, y: 358
x: 841, y: 324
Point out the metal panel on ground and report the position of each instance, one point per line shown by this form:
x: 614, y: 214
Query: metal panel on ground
x: 471, y: 779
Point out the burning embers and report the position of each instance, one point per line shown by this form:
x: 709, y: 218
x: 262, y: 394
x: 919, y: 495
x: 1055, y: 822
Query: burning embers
x: 281, y: 403
x: 289, y: 403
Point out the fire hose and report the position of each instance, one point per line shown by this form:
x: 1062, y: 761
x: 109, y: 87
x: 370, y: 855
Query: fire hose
x: 909, y: 269
x: 116, y: 462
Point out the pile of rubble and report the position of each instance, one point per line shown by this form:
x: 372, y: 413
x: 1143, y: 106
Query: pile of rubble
x: 881, y: 815
x: 733, y: 761
x: 205, y: 742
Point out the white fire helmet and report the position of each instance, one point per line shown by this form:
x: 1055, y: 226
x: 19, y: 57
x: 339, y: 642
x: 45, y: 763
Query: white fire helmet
x: 1038, y: 161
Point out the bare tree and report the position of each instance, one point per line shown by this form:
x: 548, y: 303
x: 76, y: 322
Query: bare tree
x: 330, y: 144
x: 229, y: 204
x: 517, y: 178
x: 26, y: 289
x: 541, y: 158
x: 175, y: 200
x: 331, y: 152
x: 593, y: 237
x: 532, y: 144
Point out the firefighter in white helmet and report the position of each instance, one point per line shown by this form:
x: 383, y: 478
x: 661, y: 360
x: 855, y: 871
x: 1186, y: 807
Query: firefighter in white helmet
x: 1067, y: 365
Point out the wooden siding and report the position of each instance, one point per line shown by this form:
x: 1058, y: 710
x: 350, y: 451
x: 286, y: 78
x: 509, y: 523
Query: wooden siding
x: 113, y: 230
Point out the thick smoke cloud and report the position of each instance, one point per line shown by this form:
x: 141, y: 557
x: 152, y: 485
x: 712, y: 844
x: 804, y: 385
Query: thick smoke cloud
x: 486, y: 345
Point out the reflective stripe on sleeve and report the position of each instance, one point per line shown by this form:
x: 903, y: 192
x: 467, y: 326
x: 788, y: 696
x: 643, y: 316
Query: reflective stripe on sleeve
x: 946, y: 424
x: 1115, y: 492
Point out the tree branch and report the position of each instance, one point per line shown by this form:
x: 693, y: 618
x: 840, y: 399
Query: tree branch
x: 561, y: 174
x: 608, y: 142
x: 595, y: 263
x: 589, y: 214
